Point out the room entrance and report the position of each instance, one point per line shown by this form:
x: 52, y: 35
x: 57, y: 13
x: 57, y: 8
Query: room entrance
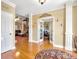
x: 21, y: 28
x: 45, y: 29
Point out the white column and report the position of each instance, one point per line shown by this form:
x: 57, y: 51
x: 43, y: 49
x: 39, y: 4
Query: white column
x: 30, y: 28
x: 68, y: 44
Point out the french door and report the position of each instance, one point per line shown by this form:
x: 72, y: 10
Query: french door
x: 40, y: 30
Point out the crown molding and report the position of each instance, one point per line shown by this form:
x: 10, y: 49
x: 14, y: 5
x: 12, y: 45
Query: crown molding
x: 53, y: 9
x: 9, y: 3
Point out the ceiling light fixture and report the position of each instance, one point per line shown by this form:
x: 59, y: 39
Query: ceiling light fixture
x: 42, y: 1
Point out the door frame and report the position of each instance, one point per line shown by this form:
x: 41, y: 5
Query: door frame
x: 46, y: 19
x: 38, y: 31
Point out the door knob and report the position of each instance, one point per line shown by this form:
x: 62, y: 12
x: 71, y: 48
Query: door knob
x: 10, y: 33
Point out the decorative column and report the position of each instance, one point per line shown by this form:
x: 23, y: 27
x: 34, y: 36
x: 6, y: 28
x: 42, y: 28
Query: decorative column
x: 30, y: 27
x: 68, y: 34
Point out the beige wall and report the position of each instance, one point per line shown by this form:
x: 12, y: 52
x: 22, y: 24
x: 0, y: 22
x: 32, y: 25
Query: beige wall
x: 74, y: 26
x: 74, y: 22
x: 60, y: 29
x: 60, y: 15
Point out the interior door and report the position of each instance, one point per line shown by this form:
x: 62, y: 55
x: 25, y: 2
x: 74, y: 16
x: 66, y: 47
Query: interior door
x: 9, y: 30
x: 40, y: 30
x: 6, y: 31
x: 3, y: 29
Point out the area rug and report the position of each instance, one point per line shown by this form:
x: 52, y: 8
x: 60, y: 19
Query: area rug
x: 53, y: 54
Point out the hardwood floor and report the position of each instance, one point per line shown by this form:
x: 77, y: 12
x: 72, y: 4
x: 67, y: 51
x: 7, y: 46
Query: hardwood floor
x: 26, y: 50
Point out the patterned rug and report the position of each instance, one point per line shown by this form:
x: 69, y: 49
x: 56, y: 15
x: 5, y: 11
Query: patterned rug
x: 53, y: 54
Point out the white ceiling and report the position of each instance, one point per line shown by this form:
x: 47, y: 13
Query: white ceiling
x: 24, y: 7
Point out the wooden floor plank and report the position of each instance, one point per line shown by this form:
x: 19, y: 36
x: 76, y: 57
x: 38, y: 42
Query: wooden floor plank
x: 26, y: 50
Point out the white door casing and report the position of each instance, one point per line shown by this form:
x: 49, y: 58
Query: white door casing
x: 46, y: 19
x: 51, y: 31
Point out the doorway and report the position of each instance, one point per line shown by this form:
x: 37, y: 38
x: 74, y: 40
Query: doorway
x: 21, y: 28
x: 45, y: 29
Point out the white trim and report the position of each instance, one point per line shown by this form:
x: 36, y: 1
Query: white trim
x: 45, y: 19
x: 13, y: 47
x: 68, y: 49
x: 30, y: 28
x: 54, y: 30
x: 9, y: 3
x: 68, y: 37
x: 38, y: 30
x: 59, y: 46
x: 68, y: 34
x: 33, y: 41
x: 8, y: 49
x: 51, y: 30
x: 3, y: 51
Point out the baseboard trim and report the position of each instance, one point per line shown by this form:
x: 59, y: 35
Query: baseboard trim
x: 74, y: 49
x: 34, y: 41
x: 68, y: 49
x: 8, y: 49
x: 59, y: 46
x: 13, y: 48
